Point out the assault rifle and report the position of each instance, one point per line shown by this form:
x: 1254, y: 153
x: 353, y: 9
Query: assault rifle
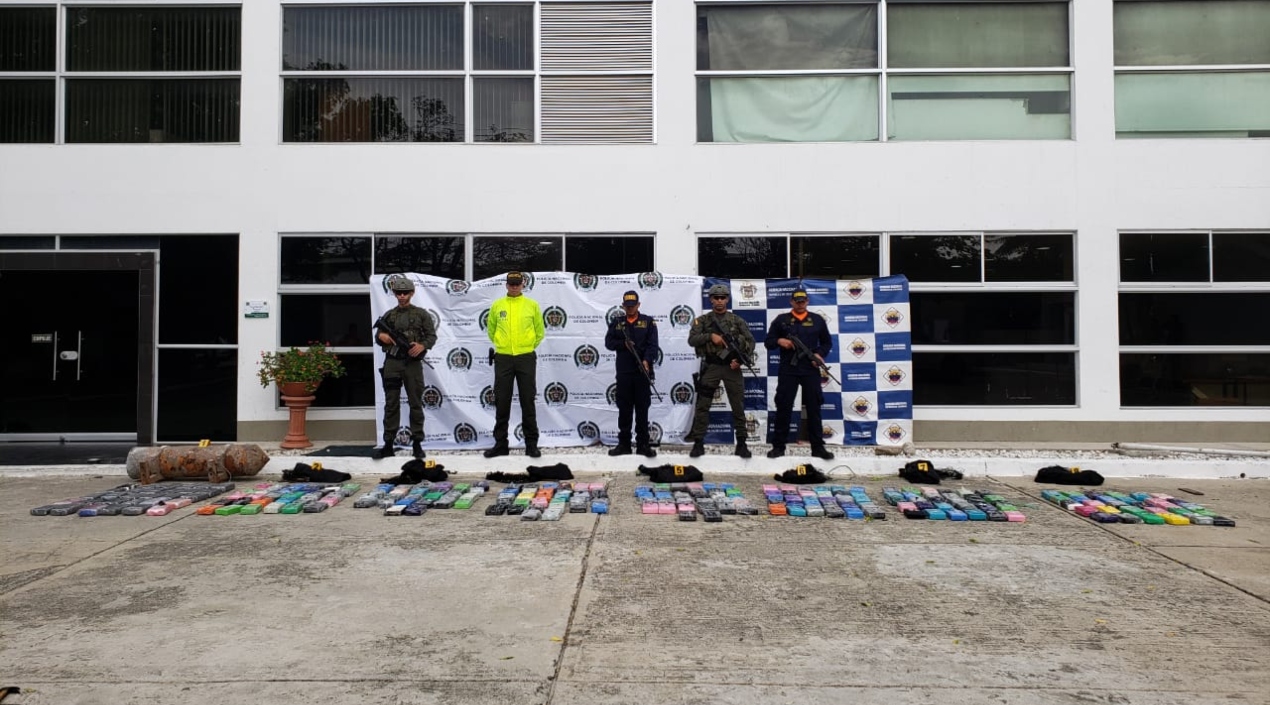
x: 803, y: 351
x: 733, y: 347
x: 400, y: 345
x: 639, y: 360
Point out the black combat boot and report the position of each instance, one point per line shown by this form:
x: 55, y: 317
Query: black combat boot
x: 531, y: 449
x: 497, y: 450
x: 698, y: 449
x: 646, y: 450
x: 822, y: 452
x: 622, y: 448
x: 742, y: 451
x: 387, y: 451
x: 416, y: 449
x: 776, y: 451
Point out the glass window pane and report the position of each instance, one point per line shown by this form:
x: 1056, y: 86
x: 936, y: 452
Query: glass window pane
x: 1200, y: 104
x: 153, y: 39
x: 998, y: 318
x: 27, y: 242
x: 27, y: 108
x: 977, y: 379
x: 834, y: 256
x: 1163, y: 257
x: 599, y: 254
x: 757, y: 37
x: 1194, y: 32
x: 28, y: 39
x: 197, y: 308
x: 110, y: 242
x: 197, y: 395
x: 372, y: 110
x: 343, y: 320
x: 492, y: 256
x: 355, y: 388
x: 373, y: 38
x: 503, y: 109
x: 438, y: 256
x: 753, y: 257
x: 1028, y: 258
x: 325, y: 260
x: 980, y: 107
x: 1198, y: 379
x: 1216, y: 318
x: 502, y: 37
x: 936, y: 258
x: 1241, y: 257
x: 976, y: 35
x: 792, y: 109
x: 152, y: 110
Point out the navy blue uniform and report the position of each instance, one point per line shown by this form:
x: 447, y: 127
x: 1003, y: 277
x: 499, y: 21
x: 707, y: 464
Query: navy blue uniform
x: 633, y: 393
x: 796, y: 372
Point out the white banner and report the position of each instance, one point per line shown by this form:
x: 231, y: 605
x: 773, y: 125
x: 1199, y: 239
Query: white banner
x: 576, y: 378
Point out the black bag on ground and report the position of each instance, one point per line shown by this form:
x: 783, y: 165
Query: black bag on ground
x: 303, y: 472
x: 672, y: 473
x: 1059, y: 475
x: 534, y: 473
x: 415, y: 471
x: 805, y: 474
x: 920, y: 472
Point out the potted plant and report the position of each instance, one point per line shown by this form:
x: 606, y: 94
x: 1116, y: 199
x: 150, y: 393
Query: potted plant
x: 298, y: 373
x: 299, y: 370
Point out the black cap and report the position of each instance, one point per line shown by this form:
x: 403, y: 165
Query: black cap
x: 515, y: 278
x: 799, y: 293
x: 630, y: 298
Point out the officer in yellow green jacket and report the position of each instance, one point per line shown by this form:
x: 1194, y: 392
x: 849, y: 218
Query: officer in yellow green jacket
x: 516, y: 329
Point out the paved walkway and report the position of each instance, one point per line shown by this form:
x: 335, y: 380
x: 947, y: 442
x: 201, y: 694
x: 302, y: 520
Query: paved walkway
x: 350, y: 606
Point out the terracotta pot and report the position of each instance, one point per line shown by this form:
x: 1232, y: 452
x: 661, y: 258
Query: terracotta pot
x: 297, y: 401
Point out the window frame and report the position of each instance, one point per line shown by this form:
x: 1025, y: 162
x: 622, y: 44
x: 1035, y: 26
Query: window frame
x: 61, y: 74
x: 883, y: 70
x: 468, y: 73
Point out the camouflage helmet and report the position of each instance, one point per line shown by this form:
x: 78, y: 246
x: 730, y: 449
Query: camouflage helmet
x: 399, y: 283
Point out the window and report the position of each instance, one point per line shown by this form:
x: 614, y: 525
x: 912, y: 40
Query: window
x: 1194, y: 312
x: 1192, y: 68
x: 823, y: 255
x: 323, y: 283
x: 994, y: 316
x: 467, y: 72
x: 814, y: 72
x: 28, y: 65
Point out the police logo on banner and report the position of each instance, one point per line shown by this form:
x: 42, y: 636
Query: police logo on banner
x: 457, y: 287
x: 488, y: 399
x: 459, y: 359
x: 660, y: 356
x: 555, y: 318
x: 586, y: 357
x: 894, y: 375
x: 483, y: 319
x: 528, y: 278
x: 681, y: 316
x: 861, y: 406
x: 749, y: 290
x: 436, y: 318
x: 610, y: 394
x: 854, y: 289
x: 519, y: 432
x: 432, y: 398
x: 858, y: 347
x: 464, y: 433
x: 556, y: 394
x: 614, y: 314
x: 588, y: 431
x: 403, y: 437
x: 751, y: 425
x: 650, y: 281
x: 892, y: 317
x: 654, y: 433
x: 585, y: 282
x: 827, y: 432
x: 894, y: 433
x: 681, y: 393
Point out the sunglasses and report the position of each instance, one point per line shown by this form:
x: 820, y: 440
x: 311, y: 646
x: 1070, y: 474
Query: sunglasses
x: 515, y: 283
x: 719, y: 298
x: 403, y: 293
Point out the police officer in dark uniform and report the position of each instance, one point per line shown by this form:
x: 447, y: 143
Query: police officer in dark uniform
x: 797, y: 372
x: 634, y: 337
x: 404, y: 365
x: 718, y: 364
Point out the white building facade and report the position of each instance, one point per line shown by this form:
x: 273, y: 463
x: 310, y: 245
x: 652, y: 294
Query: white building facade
x: 1079, y: 192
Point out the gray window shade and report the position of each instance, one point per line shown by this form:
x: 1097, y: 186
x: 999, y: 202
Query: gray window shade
x: 153, y: 39
x: 588, y: 109
x: 502, y: 37
x: 383, y: 38
x: 1192, y: 33
x: 28, y: 37
x: 597, y: 37
x: 758, y: 37
x: 977, y: 35
x: 26, y: 110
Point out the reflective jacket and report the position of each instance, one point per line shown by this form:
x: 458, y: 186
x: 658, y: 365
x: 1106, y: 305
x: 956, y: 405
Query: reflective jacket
x: 515, y: 325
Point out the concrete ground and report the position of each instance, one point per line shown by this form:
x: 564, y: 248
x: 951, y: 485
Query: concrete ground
x: 350, y: 606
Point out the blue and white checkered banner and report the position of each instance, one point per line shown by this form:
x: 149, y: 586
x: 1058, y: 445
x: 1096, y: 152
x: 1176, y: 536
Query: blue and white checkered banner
x: 576, y: 378
x: 872, y: 354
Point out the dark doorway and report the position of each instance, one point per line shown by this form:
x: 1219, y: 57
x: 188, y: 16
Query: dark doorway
x: 76, y: 347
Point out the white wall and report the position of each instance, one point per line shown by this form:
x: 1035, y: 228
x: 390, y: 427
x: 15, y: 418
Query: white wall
x: 1093, y: 185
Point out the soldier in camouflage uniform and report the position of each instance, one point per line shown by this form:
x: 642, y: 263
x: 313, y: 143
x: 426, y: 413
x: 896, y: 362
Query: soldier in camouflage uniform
x: 404, y: 365
x: 718, y: 364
